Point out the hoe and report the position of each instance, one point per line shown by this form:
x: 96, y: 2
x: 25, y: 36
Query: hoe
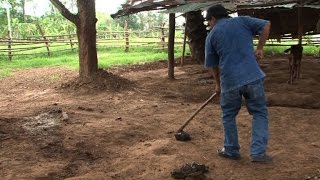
x: 184, y: 136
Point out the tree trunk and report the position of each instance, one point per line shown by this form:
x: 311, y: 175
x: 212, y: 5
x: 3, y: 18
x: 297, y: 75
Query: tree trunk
x: 86, y: 32
x: 23, y: 10
x: 196, y: 33
x: 85, y: 21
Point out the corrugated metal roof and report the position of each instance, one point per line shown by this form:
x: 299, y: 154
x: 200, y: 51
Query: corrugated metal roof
x: 303, y: 3
x: 197, y: 6
x: 313, y: 6
x: 183, y: 6
x: 289, y: 6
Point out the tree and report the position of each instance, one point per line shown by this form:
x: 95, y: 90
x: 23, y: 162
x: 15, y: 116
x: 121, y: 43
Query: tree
x: 16, y: 10
x: 3, y: 20
x: 196, y: 32
x: 85, y: 21
x: 132, y: 20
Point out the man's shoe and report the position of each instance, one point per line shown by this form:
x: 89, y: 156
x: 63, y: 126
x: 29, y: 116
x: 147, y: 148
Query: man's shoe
x: 222, y: 152
x: 262, y: 158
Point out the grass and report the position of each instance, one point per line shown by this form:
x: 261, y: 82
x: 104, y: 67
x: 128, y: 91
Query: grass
x: 307, y: 50
x: 107, y: 57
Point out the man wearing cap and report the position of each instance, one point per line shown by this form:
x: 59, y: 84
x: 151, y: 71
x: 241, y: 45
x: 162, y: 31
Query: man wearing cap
x: 232, y: 60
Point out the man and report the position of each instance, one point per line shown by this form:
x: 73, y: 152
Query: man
x: 232, y: 60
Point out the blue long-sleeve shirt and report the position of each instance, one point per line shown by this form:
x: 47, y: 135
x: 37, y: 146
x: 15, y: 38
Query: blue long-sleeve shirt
x: 229, y: 46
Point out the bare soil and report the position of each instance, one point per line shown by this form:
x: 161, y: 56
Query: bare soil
x: 53, y: 126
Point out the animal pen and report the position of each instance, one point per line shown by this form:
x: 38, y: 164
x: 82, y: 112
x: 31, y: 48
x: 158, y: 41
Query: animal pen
x: 122, y: 124
x: 290, y: 19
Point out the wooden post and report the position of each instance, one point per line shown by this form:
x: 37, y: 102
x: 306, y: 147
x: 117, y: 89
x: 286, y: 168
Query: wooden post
x: 9, y: 48
x: 44, y: 37
x: 184, y: 41
x: 172, y: 24
x: 70, y: 39
x: 300, y: 25
x: 162, y: 37
x: 9, y: 33
x: 126, y: 34
x: 300, y: 34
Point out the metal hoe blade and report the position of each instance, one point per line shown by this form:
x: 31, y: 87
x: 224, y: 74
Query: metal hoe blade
x: 182, y: 136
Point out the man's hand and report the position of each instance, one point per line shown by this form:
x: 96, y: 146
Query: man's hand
x: 262, y: 41
x: 259, y: 54
x: 216, y: 74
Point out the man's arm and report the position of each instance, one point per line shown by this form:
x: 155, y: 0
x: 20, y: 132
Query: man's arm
x: 262, y: 40
x: 215, y: 72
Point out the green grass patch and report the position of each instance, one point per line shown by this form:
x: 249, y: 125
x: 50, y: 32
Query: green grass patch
x: 107, y: 57
x: 307, y: 50
x: 4, y: 72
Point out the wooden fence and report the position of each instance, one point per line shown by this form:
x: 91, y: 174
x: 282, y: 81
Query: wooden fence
x: 49, y: 44
x: 156, y: 38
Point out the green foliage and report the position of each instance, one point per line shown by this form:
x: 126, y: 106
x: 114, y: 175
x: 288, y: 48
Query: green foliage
x: 17, y: 9
x: 3, y: 24
x: 105, y: 22
x: 143, y: 20
x: 132, y: 22
x: 307, y: 50
x: 53, y: 23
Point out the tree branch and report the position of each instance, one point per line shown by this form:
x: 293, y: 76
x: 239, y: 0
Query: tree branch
x: 64, y: 11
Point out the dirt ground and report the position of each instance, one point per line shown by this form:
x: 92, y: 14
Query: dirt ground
x: 53, y: 127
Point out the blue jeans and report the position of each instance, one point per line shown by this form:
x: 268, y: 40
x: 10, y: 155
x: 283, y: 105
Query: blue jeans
x: 256, y: 105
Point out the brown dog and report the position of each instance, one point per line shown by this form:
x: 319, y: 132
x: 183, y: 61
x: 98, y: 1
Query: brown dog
x: 295, y: 57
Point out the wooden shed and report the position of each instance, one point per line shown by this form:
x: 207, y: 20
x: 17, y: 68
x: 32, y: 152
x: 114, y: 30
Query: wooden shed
x: 293, y: 18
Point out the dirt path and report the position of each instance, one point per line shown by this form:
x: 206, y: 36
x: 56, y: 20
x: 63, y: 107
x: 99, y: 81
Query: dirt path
x: 53, y: 132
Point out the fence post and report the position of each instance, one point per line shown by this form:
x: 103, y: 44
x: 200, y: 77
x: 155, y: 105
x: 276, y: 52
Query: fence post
x: 9, y: 49
x: 126, y: 34
x: 162, y: 38
x: 9, y: 34
x: 71, y: 43
x: 44, y: 38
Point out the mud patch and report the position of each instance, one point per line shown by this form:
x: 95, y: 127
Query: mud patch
x: 192, y: 170
x: 44, y: 130
x: 9, y: 129
x: 46, y: 120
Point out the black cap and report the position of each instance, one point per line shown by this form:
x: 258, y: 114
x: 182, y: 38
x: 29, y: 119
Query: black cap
x: 217, y: 11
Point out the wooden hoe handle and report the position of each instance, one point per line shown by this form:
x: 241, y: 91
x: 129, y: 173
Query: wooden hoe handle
x: 196, y: 112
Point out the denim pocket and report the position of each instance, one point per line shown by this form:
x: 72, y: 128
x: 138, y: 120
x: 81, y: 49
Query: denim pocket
x: 230, y: 99
x: 255, y: 90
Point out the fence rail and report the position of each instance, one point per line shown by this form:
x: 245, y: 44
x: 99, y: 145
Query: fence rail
x: 48, y: 44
